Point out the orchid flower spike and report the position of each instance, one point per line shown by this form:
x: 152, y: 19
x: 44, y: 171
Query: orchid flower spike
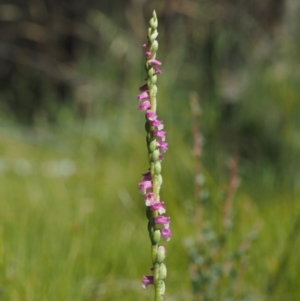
x: 150, y: 184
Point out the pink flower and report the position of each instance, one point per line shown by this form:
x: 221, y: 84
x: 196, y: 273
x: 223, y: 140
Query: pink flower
x: 144, y: 185
x: 158, y: 206
x: 162, y: 220
x: 159, y: 134
x: 144, y: 95
x: 147, y: 280
x: 148, y: 54
x: 150, y: 199
x: 154, y: 62
x: 150, y: 115
x: 166, y: 233
x: 157, y: 123
x: 144, y: 88
x: 144, y: 106
x: 157, y: 71
x: 162, y: 145
x: 146, y: 176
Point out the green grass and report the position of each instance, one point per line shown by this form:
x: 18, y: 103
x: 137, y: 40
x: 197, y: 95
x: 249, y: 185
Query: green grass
x: 73, y: 225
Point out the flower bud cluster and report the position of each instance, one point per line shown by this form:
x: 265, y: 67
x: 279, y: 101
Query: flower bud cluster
x: 150, y: 184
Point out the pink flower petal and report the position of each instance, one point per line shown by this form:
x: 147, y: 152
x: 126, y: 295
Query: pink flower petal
x: 148, y: 54
x: 144, y: 88
x: 150, y: 115
x: 144, y: 106
x: 154, y: 63
x: 157, y: 71
x: 158, y: 206
x: 159, y: 134
x: 149, y: 199
x: 162, y: 220
x: 162, y: 145
x: 142, y: 96
x: 157, y: 123
x: 147, y: 280
x: 144, y: 185
x: 166, y: 233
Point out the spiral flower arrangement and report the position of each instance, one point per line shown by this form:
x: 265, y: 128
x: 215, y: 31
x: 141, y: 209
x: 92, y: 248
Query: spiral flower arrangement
x: 150, y: 184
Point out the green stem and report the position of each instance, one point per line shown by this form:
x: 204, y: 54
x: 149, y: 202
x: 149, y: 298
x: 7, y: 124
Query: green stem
x: 154, y: 231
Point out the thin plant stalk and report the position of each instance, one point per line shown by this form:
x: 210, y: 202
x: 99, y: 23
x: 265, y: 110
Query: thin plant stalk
x: 151, y: 182
x: 197, y: 152
x: 231, y: 190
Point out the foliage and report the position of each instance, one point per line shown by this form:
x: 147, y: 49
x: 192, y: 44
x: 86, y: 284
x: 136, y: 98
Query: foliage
x: 216, y: 267
x: 66, y: 225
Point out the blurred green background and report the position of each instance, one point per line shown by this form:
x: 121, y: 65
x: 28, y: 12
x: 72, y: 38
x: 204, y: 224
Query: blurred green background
x: 72, y: 143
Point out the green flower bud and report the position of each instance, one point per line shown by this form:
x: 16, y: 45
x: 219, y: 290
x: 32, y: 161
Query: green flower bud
x: 152, y: 146
x: 153, y: 91
x: 157, y: 168
x: 154, y: 16
x: 153, y: 36
x: 161, y: 286
x: 162, y: 271
x: 154, y: 47
x: 151, y: 72
x: 153, y: 22
x: 153, y: 80
x: 156, y: 236
x: 159, y: 180
x: 155, y: 156
x: 161, y: 254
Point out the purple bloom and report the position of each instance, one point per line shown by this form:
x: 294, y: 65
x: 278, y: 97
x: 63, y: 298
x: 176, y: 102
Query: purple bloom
x: 146, y: 176
x: 150, y: 115
x: 157, y: 71
x: 148, y: 54
x: 158, y: 206
x: 162, y: 220
x: 143, y: 95
x: 144, y: 185
x: 145, y: 105
x: 157, y: 123
x: 144, y: 87
x: 162, y: 145
x: 159, y: 134
x: 166, y: 233
x: 154, y: 62
x: 147, y: 280
x: 150, y: 199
